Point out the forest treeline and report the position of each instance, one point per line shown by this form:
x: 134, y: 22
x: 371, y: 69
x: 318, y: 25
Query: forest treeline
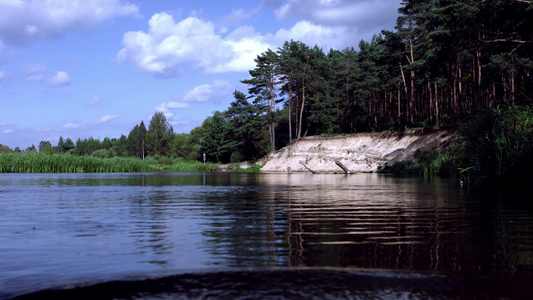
x: 445, y: 62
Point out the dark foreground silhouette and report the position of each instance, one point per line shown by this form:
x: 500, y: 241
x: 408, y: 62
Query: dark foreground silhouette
x: 296, y: 284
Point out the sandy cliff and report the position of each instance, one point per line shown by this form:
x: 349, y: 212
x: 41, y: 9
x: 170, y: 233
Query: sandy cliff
x: 359, y: 152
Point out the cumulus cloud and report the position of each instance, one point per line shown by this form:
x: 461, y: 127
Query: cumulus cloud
x: 209, y: 92
x: 60, y: 79
x: 172, y: 48
x: 24, y: 20
x: 37, y: 72
x: 213, y: 92
x: 326, y: 37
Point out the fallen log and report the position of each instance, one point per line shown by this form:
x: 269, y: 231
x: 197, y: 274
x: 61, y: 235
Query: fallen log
x: 307, y: 167
x: 342, y: 167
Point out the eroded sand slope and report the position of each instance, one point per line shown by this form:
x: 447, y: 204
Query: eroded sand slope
x: 359, y: 152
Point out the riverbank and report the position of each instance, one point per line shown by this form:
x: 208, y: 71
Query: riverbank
x: 365, y: 152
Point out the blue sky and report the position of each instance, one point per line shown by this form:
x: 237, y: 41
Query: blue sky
x: 79, y: 69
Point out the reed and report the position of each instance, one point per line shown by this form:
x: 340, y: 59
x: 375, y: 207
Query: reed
x: 64, y: 163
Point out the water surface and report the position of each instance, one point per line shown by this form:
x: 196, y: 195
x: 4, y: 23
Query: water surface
x: 67, y: 229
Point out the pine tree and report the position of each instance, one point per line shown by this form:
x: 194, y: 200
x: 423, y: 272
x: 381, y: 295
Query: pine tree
x: 263, y: 86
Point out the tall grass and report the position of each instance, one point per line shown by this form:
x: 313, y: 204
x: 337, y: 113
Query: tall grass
x: 64, y: 163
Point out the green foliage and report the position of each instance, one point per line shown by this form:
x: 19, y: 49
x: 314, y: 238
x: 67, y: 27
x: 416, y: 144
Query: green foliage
x: 5, y: 149
x: 245, y: 127
x: 263, y: 87
x: 188, y: 146
x: 252, y: 169
x: 236, y: 157
x: 498, y: 144
x: 136, y: 141
x: 48, y: 150
x: 63, y: 146
x: 159, y: 160
x: 441, y: 164
x: 43, y: 145
x: 191, y: 166
x: 159, y: 135
x: 103, y: 153
x: 217, y: 142
x: 64, y: 163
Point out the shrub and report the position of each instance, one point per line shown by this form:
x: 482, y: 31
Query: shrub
x: 498, y: 144
x: 252, y: 169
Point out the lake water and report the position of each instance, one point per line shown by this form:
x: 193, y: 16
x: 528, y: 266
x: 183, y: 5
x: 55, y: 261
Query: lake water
x: 221, y: 235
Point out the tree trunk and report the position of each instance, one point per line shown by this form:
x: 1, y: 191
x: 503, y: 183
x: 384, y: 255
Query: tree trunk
x: 412, y: 61
x: 289, y: 103
x: 301, y: 112
x: 406, y: 92
x: 436, y: 105
x: 430, y: 108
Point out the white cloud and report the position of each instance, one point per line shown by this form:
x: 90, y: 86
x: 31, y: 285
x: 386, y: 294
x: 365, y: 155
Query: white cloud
x: 213, y: 92
x: 336, y: 37
x: 96, y: 100
x: 89, y: 123
x: 168, y: 108
x: 337, y: 23
x: 209, y: 92
x: 172, y: 48
x: 106, y: 118
x: 34, y: 72
x: 72, y: 125
x: 8, y: 131
x: 24, y: 20
x: 60, y: 79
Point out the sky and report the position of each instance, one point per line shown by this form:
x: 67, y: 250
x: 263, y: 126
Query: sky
x: 80, y: 69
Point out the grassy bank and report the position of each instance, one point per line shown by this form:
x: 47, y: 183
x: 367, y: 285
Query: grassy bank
x: 34, y: 162
x: 64, y: 163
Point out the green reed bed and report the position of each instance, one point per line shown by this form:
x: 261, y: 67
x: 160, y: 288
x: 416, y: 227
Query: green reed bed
x: 64, y: 163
